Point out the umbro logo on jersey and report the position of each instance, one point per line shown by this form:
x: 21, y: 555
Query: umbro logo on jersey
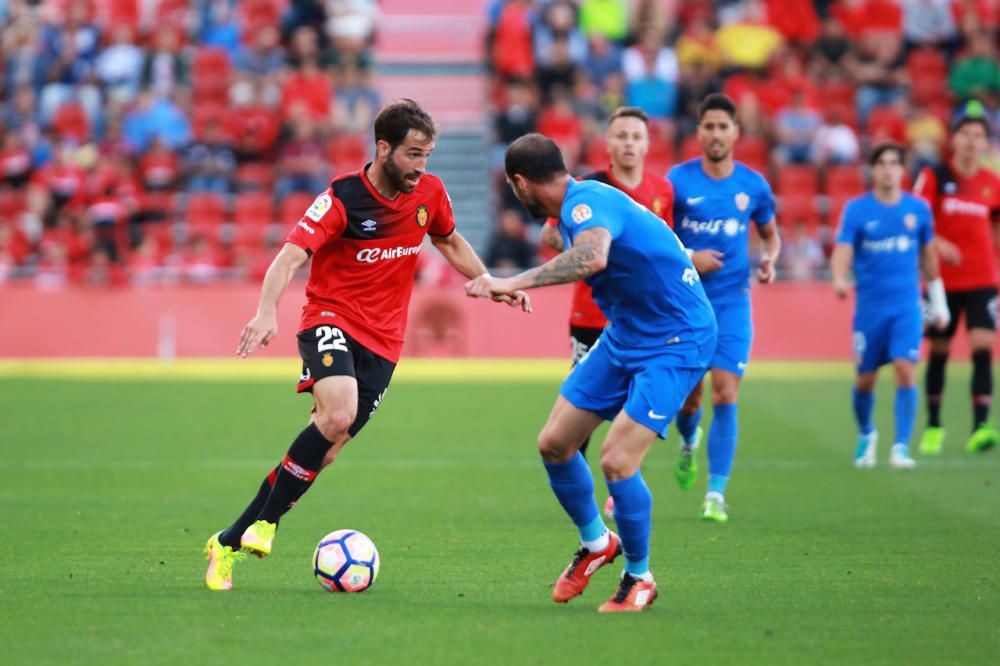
x: 369, y: 225
x: 692, y: 201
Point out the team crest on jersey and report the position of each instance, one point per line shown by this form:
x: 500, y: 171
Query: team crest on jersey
x: 422, y: 215
x: 581, y: 213
x: 657, y: 205
x: 327, y: 360
x: 910, y: 220
x: 742, y: 201
x: 319, y: 207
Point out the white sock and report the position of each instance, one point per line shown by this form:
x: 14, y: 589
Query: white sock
x: 715, y: 495
x: 644, y: 577
x: 598, y: 544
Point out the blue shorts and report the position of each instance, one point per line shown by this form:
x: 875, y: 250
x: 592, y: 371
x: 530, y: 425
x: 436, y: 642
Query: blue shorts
x: 881, y: 337
x: 650, y: 384
x: 732, y: 353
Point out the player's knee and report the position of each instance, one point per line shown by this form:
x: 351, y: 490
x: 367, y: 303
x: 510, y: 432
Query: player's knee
x: 333, y: 423
x: 616, y: 464
x: 865, y: 382
x: 552, y: 447
x: 725, y: 393
x: 905, y: 374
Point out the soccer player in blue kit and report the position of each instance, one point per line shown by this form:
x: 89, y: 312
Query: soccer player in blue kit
x: 886, y: 235
x: 715, y: 200
x: 656, y: 347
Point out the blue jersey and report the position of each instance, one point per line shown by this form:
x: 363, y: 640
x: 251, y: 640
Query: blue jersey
x: 649, y: 290
x: 887, y: 242
x: 715, y: 214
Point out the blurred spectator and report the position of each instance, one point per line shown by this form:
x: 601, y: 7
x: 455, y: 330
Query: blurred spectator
x: 107, y: 218
x: 20, y: 114
x: 651, y: 74
x: 219, y: 26
x: 512, y: 52
x: 888, y: 123
x: 119, y: 65
x: 795, y: 20
x: 696, y: 45
x: 210, y: 164
x: 201, y: 261
x: 863, y: 18
x: 558, y: 72
x: 159, y: 167
x: 23, y: 64
x: 926, y: 136
x: 520, y: 112
x: 301, y: 13
x: 350, y: 25
x: 307, y: 88
x: 14, y: 250
x: 558, y: 24
x: 833, y: 44
x: 748, y: 42
x: 835, y: 142
x: 60, y: 183
x: 977, y: 73
x: 879, y: 68
x: 801, y: 253
x: 561, y: 124
x: 795, y: 128
x: 586, y: 99
x: 252, y: 125
x: 157, y: 117
x: 605, y: 17
x: 613, y: 94
x: 301, y: 165
x: 264, y: 57
x: 697, y: 81
x: 102, y: 270
x: 510, y: 250
x: 15, y: 160
x: 653, y: 15
x: 929, y: 23
x: 357, y: 100
x: 113, y: 142
x: 604, y: 58
x: 164, y: 68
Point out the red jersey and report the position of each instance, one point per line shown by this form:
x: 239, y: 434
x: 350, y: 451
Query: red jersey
x: 653, y: 192
x: 965, y: 210
x: 364, y: 249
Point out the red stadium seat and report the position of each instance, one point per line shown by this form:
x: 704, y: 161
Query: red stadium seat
x: 835, y: 205
x: 927, y: 62
x: 70, y: 122
x: 293, y: 207
x: 253, y: 209
x: 205, y: 213
x: 690, y: 148
x: 797, y: 180
x: 210, y: 76
x: 886, y: 123
x: 348, y: 152
x: 844, y: 180
x: 255, y: 177
x: 204, y: 113
x: 795, y: 209
x: 595, y: 155
x: 752, y: 151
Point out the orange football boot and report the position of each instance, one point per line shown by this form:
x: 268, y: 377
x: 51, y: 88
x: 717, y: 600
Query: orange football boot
x: 633, y: 595
x: 574, y: 579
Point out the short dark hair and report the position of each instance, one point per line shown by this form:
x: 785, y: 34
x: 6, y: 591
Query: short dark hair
x: 629, y: 112
x: 883, y: 148
x: 397, y: 118
x: 717, y: 102
x: 534, y: 156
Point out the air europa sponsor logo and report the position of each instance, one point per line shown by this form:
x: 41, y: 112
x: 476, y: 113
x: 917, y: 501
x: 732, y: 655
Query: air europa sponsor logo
x: 371, y: 255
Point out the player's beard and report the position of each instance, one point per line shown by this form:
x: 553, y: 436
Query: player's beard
x: 397, y: 178
x: 531, y: 204
x: 713, y: 154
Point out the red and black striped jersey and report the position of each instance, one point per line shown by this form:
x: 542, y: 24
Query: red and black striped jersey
x: 364, y: 256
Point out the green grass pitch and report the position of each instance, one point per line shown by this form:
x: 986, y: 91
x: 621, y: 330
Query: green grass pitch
x: 110, y: 489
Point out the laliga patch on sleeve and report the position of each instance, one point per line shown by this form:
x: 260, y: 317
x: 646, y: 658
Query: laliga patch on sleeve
x: 319, y: 207
x: 581, y: 213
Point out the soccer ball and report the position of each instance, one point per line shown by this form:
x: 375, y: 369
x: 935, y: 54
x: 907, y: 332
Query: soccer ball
x: 346, y: 561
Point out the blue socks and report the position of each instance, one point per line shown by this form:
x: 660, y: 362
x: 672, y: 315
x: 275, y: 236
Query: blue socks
x: 721, y: 446
x: 864, y: 404
x: 905, y: 411
x: 573, y: 485
x: 633, y: 513
x: 687, y: 424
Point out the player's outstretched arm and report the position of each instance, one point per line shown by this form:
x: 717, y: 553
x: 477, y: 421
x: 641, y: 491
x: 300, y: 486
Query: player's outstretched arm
x: 937, y: 301
x: 457, y: 251
x: 264, y: 326
x: 770, y: 249
x: 840, y: 266
x: 588, y: 255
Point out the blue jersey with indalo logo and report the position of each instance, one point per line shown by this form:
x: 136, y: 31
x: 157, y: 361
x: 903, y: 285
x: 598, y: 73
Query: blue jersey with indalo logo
x: 715, y: 214
x: 649, y: 291
x: 887, y: 241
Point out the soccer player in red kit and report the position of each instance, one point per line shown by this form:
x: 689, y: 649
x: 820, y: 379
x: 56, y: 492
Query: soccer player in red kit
x: 965, y: 198
x: 363, y: 234
x: 628, y: 143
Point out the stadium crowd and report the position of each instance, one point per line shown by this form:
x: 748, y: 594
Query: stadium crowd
x: 816, y: 84
x: 121, y: 117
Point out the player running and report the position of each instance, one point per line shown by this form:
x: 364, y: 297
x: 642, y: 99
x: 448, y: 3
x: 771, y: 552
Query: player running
x: 715, y: 200
x: 886, y: 235
x: 627, y: 142
x: 363, y: 234
x: 965, y: 198
x: 660, y: 336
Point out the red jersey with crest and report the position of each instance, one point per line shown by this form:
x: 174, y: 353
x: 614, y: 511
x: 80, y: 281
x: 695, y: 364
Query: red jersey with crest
x: 965, y: 210
x: 653, y: 192
x: 364, y: 251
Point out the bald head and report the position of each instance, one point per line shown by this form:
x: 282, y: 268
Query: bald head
x: 535, y: 157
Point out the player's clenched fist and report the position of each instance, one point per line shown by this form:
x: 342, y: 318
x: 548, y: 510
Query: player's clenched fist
x: 765, y: 272
x: 498, y: 289
x: 260, y: 330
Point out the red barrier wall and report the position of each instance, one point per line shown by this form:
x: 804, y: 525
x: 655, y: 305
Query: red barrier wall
x: 792, y: 321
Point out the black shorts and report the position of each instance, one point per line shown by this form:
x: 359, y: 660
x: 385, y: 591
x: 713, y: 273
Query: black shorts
x: 979, y: 306
x: 327, y: 351
x: 581, y: 340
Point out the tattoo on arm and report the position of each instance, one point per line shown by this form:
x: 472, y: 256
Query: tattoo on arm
x: 552, y: 238
x: 588, y: 255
